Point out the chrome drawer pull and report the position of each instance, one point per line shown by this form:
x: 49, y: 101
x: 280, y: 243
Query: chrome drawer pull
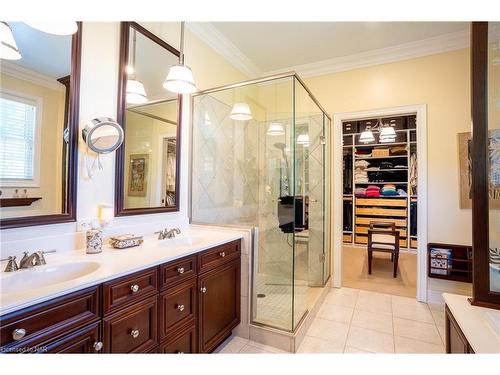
x: 180, y: 269
x: 134, y: 333
x: 222, y: 254
x: 180, y: 307
x: 98, y: 346
x: 18, y: 333
x: 203, y: 289
x: 178, y: 352
x: 134, y: 288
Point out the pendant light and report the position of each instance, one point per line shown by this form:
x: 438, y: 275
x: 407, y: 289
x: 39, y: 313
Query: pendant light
x: 367, y: 136
x: 135, y: 92
x: 387, y: 133
x: 241, y: 112
x: 8, y: 46
x: 303, y: 140
x: 275, y: 128
x: 54, y: 27
x: 180, y: 77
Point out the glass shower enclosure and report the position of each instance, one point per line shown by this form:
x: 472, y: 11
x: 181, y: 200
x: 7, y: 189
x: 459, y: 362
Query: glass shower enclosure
x: 260, y: 159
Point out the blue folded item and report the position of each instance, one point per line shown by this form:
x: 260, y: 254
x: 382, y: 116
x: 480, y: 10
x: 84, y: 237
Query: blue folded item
x: 389, y: 192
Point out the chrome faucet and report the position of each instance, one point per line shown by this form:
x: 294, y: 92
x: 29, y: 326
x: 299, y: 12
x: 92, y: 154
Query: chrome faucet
x: 11, y: 265
x: 165, y: 233
x: 28, y: 261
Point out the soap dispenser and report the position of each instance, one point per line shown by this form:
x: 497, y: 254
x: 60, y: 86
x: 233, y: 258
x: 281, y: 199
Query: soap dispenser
x: 94, y: 239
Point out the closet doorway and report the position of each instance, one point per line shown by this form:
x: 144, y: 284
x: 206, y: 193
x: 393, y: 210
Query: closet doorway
x: 380, y: 177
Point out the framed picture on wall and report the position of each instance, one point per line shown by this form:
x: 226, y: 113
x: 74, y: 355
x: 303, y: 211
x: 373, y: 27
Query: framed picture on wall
x: 137, y: 181
x: 464, y: 148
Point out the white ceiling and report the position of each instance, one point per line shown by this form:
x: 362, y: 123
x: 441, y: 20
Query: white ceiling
x: 273, y: 46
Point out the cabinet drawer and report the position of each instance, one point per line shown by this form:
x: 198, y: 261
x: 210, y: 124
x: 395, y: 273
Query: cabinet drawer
x: 347, y: 238
x: 366, y: 124
x: 364, y: 240
x: 49, y: 320
x: 376, y: 211
x: 364, y: 230
x: 132, y: 330
x: 367, y: 220
x: 398, y: 123
x: 180, y: 342
x: 84, y: 340
x: 349, y: 127
x: 177, y: 307
x: 177, y: 271
x: 219, y: 255
x: 126, y: 290
x: 388, y: 202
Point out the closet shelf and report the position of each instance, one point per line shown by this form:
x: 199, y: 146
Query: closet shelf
x: 382, y: 144
x: 387, y: 170
x: 381, y: 183
x: 379, y: 157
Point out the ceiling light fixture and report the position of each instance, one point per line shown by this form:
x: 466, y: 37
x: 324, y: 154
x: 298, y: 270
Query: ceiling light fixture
x: 241, y: 112
x: 303, y: 140
x: 367, y: 136
x: 275, y: 128
x: 135, y: 93
x: 54, y: 27
x: 180, y: 77
x: 8, y: 46
x: 387, y: 133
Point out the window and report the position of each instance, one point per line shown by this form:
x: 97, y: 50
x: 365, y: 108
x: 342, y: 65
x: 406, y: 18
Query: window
x: 18, y: 133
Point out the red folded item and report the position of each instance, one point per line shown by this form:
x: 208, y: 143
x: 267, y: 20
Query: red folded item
x: 373, y: 187
x: 373, y: 193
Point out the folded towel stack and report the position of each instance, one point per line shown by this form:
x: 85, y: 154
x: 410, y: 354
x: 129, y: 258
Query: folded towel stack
x: 373, y: 191
x: 360, y: 192
x: 398, y: 150
x: 389, y: 190
x: 360, y: 174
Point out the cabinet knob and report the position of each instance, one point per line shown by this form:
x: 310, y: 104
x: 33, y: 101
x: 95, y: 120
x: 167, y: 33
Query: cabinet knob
x: 180, y: 307
x: 180, y: 269
x: 134, y: 333
x: 203, y: 289
x: 178, y: 352
x: 222, y: 254
x: 98, y: 346
x: 134, y: 288
x: 18, y: 333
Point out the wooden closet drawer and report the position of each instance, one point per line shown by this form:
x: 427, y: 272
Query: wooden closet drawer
x: 364, y: 230
x: 177, y: 307
x: 182, y: 341
x: 347, y: 238
x: 413, y: 244
x: 364, y: 240
x: 177, y: 271
x: 218, y: 256
x: 388, y: 202
x: 132, y: 330
x: 368, y: 220
x: 126, y: 290
x: 82, y: 341
x: 24, y: 329
x: 375, y: 211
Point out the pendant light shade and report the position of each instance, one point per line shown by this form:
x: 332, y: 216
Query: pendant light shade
x: 366, y: 136
x: 388, y: 131
x: 180, y: 77
x: 180, y: 80
x: 8, y: 46
x: 54, y: 27
x: 135, y: 93
x: 275, y: 128
x: 241, y: 112
x: 303, y: 140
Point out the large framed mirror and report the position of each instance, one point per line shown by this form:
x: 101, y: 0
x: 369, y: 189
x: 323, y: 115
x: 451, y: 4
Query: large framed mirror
x: 148, y: 162
x: 39, y: 101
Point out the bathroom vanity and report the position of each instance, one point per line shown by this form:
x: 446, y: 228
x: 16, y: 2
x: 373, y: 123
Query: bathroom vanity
x: 182, y: 304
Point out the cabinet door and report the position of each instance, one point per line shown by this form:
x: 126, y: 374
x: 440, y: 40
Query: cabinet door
x: 219, y: 304
x: 85, y: 340
x: 456, y: 342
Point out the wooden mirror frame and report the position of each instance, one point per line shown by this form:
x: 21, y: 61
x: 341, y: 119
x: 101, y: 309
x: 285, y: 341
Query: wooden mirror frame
x: 120, y: 209
x: 72, y: 151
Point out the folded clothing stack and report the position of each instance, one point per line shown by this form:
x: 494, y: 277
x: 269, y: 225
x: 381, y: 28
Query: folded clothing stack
x: 360, y: 192
x: 373, y: 191
x: 398, y: 150
x: 360, y: 174
x: 364, y: 151
x: 389, y: 190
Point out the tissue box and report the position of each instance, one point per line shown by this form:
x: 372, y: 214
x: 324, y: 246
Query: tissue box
x: 126, y: 240
x: 440, y: 261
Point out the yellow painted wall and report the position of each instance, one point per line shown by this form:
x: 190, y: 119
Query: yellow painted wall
x: 51, y: 138
x: 442, y: 82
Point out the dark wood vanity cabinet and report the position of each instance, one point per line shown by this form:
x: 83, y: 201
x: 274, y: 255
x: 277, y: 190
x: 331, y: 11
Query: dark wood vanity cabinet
x: 189, y: 305
x: 456, y: 342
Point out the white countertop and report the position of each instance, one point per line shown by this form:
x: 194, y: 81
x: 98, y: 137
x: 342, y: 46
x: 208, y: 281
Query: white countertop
x: 481, y: 326
x: 110, y: 264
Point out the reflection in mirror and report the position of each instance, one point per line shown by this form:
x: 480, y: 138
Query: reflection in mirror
x: 150, y: 116
x: 35, y: 128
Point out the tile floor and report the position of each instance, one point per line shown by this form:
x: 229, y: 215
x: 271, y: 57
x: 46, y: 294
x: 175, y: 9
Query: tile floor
x: 359, y: 321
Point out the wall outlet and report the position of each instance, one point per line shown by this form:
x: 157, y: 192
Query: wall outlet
x: 83, y: 225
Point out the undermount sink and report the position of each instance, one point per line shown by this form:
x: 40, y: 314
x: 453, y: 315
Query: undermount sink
x: 182, y: 240
x: 41, y: 276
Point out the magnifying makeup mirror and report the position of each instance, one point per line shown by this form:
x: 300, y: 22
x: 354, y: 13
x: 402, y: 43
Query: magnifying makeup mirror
x: 103, y: 135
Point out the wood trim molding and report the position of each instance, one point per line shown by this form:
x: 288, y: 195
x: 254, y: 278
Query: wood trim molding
x: 120, y: 209
x: 72, y: 156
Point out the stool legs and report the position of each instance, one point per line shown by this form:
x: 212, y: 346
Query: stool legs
x: 396, y: 257
x: 369, y: 262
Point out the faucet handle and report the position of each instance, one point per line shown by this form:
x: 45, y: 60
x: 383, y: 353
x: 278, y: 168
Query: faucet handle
x: 12, y: 265
x: 40, y: 260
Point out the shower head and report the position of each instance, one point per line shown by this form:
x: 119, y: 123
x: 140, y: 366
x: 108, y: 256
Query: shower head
x: 280, y: 146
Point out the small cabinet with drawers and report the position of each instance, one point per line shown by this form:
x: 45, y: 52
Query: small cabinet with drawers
x: 188, y: 305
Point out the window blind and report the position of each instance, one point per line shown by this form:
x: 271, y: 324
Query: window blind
x: 17, y: 138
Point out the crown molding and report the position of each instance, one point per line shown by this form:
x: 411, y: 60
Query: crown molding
x: 25, y: 74
x: 220, y: 43
x: 406, y: 51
